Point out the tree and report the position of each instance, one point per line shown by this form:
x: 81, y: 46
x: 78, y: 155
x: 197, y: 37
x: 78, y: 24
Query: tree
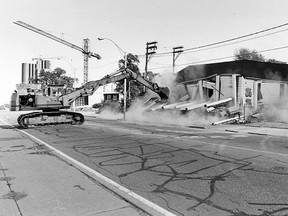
x: 275, y: 61
x: 134, y: 87
x: 132, y: 63
x: 246, y: 54
x: 55, y: 77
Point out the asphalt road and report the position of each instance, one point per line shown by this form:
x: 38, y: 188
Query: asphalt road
x: 188, y: 171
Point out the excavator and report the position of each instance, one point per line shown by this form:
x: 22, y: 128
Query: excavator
x: 53, y: 109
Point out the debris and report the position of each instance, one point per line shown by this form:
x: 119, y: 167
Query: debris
x: 186, y: 97
x: 217, y: 102
x: 230, y: 97
x: 171, y: 106
x: 185, y: 105
x: 234, y: 110
x: 158, y: 107
x: 193, y: 106
x: 228, y: 120
x: 152, y: 103
x: 210, y: 109
x: 150, y: 100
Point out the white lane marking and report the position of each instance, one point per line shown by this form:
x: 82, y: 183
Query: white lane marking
x: 97, y: 174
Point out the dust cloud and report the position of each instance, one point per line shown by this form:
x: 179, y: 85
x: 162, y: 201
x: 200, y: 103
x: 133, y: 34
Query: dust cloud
x: 110, y: 114
x: 168, y: 79
x: 277, y: 112
x: 138, y: 112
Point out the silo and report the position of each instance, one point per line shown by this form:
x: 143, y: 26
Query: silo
x: 25, y: 73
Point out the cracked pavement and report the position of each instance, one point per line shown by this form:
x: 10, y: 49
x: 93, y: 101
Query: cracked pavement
x: 198, y: 172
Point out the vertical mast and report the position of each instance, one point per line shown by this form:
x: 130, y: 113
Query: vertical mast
x: 86, y: 56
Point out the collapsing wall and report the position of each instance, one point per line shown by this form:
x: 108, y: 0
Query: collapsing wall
x: 241, y: 87
x: 229, y: 95
x: 217, y: 93
x: 249, y: 92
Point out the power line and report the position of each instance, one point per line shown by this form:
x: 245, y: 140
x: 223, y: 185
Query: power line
x: 228, y: 40
x: 196, y: 62
x: 194, y: 49
x: 237, y: 38
x: 273, y: 49
x: 215, y: 59
x: 237, y: 41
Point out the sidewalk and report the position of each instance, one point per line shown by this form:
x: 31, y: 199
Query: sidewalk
x: 36, y: 182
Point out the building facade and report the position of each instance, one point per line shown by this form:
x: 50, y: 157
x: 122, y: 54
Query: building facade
x: 231, y: 88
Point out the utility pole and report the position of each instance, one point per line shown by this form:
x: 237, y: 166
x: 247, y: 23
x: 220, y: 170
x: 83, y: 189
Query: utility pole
x: 150, y: 50
x: 178, y: 51
x: 85, y: 64
x: 124, y: 54
x: 125, y: 87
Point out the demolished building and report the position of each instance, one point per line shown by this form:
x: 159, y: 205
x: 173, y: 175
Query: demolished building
x: 231, y: 88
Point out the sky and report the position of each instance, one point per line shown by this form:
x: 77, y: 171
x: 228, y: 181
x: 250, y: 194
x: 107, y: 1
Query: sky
x: 131, y: 24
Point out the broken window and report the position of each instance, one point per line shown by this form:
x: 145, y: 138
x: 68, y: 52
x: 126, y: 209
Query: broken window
x: 248, y: 92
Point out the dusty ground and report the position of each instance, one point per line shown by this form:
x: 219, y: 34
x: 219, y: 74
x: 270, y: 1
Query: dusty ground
x: 282, y: 125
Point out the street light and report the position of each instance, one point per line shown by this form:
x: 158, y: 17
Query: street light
x: 125, y: 66
x: 119, y: 48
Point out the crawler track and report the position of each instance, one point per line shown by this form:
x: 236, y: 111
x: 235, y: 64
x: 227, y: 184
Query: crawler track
x: 50, y: 118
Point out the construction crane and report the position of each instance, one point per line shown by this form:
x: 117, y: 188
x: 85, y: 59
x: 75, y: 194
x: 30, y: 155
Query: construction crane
x: 85, y: 50
x: 47, y: 58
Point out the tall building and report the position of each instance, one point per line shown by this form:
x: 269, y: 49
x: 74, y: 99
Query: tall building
x: 30, y: 71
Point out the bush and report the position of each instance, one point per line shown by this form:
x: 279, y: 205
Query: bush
x: 114, y: 106
x: 97, y: 105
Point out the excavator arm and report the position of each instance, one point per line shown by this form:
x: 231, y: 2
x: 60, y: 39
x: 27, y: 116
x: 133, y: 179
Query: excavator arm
x: 163, y: 92
x: 90, y: 87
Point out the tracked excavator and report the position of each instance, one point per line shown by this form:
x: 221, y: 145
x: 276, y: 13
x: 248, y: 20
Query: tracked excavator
x: 52, y: 109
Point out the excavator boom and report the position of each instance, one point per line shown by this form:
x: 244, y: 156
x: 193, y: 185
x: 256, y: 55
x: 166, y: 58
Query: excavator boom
x: 90, y: 87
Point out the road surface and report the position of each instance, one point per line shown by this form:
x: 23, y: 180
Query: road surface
x: 187, y: 171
